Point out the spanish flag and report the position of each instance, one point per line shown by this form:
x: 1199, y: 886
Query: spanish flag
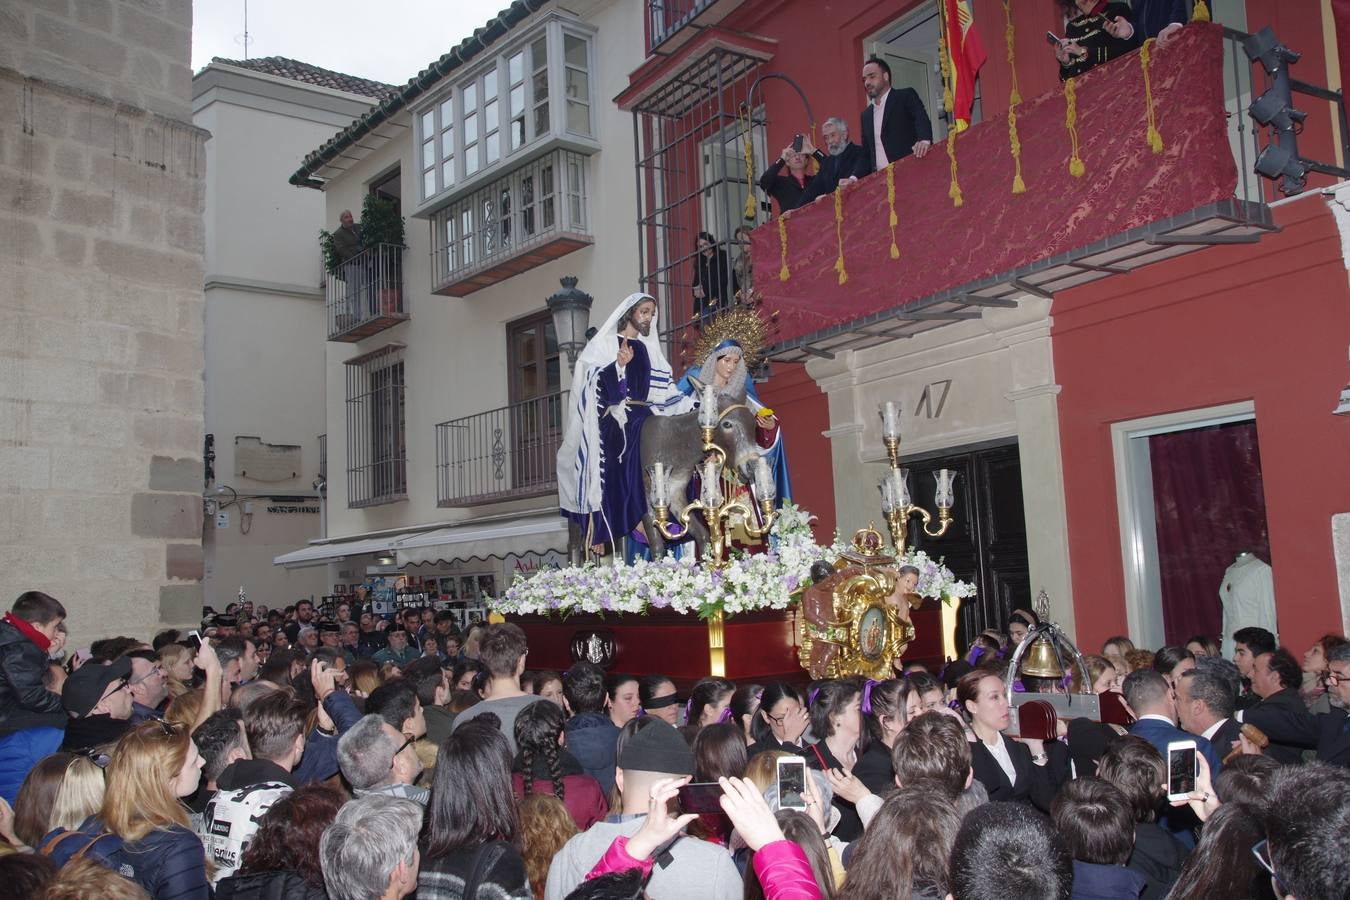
x: 965, y: 57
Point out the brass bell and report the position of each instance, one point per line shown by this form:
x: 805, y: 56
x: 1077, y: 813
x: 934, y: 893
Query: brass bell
x: 1042, y: 661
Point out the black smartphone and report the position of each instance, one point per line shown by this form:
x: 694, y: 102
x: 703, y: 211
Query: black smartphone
x: 193, y: 641
x: 1051, y: 39
x: 701, y: 797
x: 797, y: 143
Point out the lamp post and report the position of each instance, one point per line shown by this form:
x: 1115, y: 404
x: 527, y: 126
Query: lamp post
x: 895, y: 498
x: 571, y: 311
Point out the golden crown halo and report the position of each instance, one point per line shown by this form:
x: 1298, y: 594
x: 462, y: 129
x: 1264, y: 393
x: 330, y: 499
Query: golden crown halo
x: 742, y: 324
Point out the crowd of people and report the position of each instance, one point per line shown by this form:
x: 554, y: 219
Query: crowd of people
x: 250, y: 760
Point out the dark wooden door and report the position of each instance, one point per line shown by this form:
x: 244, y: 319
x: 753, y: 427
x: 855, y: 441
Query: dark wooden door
x: 987, y: 544
x: 535, y: 415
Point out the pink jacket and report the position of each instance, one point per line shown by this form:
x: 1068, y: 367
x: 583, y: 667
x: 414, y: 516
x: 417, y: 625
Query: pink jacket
x: 782, y: 868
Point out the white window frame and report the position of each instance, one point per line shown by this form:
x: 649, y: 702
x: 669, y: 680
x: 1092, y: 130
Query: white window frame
x: 433, y: 174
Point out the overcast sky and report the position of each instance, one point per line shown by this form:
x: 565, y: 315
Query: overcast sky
x: 388, y: 40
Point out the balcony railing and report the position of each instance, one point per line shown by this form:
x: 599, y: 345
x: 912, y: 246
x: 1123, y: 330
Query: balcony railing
x: 521, y: 220
x: 503, y: 454
x: 365, y: 296
x: 666, y: 18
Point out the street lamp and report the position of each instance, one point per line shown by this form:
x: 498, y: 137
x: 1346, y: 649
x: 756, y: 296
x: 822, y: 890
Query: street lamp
x: 895, y: 497
x: 571, y: 311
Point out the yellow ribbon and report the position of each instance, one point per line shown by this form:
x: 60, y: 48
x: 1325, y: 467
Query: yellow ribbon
x: 955, y: 190
x: 944, y: 60
x: 782, y: 248
x: 1014, y: 97
x: 839, y: 235
x: 890, y: 202
x: 1201, y: 12
x: 749, y: 153
x: 1154, y: 138
x: 1076, y: 167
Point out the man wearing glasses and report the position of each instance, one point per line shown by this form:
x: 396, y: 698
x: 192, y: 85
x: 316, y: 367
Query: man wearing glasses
x: 376, y: 758
x: 1327, y: 733
x: 147, y: 686
x: 97, y: 699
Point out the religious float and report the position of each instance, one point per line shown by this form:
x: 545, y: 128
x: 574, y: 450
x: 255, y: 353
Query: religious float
x: 752, y: 596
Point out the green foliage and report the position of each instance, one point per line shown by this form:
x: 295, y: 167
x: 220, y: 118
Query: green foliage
x: 380, y: 224
x: 331, y: 260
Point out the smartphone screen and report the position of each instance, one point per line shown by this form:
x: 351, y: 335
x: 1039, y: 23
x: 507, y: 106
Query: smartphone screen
x: 701, y: 797
x: 1052, y: 39
x: 193, y: 641
x: 792, y: 783
x: 1180, y: 770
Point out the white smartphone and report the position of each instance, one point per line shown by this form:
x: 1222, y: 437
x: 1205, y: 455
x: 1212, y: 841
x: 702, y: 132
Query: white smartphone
x: 791, y: 782
x: 1181, y: 769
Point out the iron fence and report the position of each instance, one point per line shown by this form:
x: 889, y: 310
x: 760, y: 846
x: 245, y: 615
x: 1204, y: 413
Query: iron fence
x: 500, y: 454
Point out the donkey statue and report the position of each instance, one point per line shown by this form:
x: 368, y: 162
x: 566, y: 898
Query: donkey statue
x: 677, y: 442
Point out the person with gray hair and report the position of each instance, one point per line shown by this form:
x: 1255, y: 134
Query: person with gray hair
x: 844, y: 163
x: 1327, y: 733
x: 1206, y: 696
x: 370, y: 850
x: 376, y: 759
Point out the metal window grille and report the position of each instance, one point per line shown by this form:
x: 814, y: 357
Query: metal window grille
x: 668, y: 16
x: 377, y: 459
x: 689, y: 143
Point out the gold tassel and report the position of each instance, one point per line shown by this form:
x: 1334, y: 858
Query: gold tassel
x: 749, y: 152
x: 955, y: 190
x: 1014, y: 97
x: 782, y: 248
x: 1201, y: 12
x: 890, y: 201
x: 839, y: 235
x: 1076, y: 167
x: 1155, y: 140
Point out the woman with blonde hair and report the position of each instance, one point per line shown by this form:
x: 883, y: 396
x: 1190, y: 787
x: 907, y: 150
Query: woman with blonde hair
x: 61, y: 791
x: 545, y: 825
x: 142, y: 828
x: 176, y: 661
x: 1114, y: 649
x: 364, y: 677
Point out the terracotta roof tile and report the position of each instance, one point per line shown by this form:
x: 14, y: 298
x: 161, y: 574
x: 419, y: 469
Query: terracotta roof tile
x: 295, y: 70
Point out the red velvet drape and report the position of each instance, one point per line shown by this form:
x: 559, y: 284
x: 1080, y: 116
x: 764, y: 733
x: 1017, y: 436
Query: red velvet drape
x: 1209, y: 505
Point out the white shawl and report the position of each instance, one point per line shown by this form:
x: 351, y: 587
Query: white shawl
x: 579, y: 457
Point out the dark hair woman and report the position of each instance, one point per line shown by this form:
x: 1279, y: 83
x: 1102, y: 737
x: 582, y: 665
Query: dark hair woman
x: 719, y: 752
x: 744, y: 704
x: 709, y: 702
x: 883, y: 709
x: 1016, y: 770
x: 906, y: 848
x: 836, y: 719
x: 543, y: 766
x: 1222, y: 863
x: 282, y: 859
x: 471, y: 818
x: 658, y: 697
x: 622, y: 694
x: 781, y: 720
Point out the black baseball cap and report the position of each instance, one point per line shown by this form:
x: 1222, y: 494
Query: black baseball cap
x: 85, y: 686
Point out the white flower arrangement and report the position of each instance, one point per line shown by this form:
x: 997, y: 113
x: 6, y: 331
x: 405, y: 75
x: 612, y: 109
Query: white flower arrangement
x: 752, y: 581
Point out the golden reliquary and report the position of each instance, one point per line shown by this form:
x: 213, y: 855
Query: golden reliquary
x: 856, y: 621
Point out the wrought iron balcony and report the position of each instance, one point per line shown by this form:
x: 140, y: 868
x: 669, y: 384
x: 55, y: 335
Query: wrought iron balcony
x: 366, y: 295
x: 667, y: 20
x: 527, y: 217
x: 506, y: 453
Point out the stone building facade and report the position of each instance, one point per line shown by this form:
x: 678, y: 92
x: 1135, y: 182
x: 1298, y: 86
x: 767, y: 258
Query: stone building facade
x: 101, y: 352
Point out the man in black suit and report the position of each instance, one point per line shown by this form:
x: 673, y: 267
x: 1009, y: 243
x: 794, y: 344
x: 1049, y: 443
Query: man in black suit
x: 842, y: 163
x: 1206, y: 695
x: 1329, y: 733
x: 1275, y: 679
x: 903, y: 128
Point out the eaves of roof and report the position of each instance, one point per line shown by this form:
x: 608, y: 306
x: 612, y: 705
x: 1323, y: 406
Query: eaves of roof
x: 469, y: 48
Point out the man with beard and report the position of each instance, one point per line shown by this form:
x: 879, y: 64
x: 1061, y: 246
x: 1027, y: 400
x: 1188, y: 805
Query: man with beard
x: 895, y: 123
x: 845, y: 164
x: 621, y: 378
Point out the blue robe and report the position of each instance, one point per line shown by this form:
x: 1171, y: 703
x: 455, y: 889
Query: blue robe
x: 776, y: 455
x: 624, y: 497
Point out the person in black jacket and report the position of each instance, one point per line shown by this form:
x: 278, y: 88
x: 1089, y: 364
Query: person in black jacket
x: 795, y: 187
x: 1275, y: 679
x: 715, y: 283
x: 1019, y: 770
x: 31, y: 717
x: 1136, y: 768
x: 1160, y: 19
x: 904, y: 127
x: 1096, y: 32
x: 844, y: 164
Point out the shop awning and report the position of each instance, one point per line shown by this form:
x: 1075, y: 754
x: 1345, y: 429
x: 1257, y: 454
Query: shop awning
x: 320, y: 554
x: 538, y: 534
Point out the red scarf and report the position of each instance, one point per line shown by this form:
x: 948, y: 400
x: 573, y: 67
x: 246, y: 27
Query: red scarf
x: 28, y: 631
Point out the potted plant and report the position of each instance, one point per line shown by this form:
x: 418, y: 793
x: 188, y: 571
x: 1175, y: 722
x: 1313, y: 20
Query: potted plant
x: 381, y: 224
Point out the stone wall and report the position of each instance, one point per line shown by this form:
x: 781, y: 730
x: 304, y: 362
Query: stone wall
x: 101, y: 361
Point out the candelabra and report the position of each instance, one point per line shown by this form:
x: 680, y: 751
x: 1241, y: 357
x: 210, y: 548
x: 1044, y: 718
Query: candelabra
x: 717, y: 510
x: 895, y: 498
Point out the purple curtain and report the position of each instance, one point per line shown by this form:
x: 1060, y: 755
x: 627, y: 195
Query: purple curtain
x: 1209, y: 506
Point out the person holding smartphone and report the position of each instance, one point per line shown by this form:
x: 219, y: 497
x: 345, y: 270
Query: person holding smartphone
x: 792, y: 189
x: 1095, y: 31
